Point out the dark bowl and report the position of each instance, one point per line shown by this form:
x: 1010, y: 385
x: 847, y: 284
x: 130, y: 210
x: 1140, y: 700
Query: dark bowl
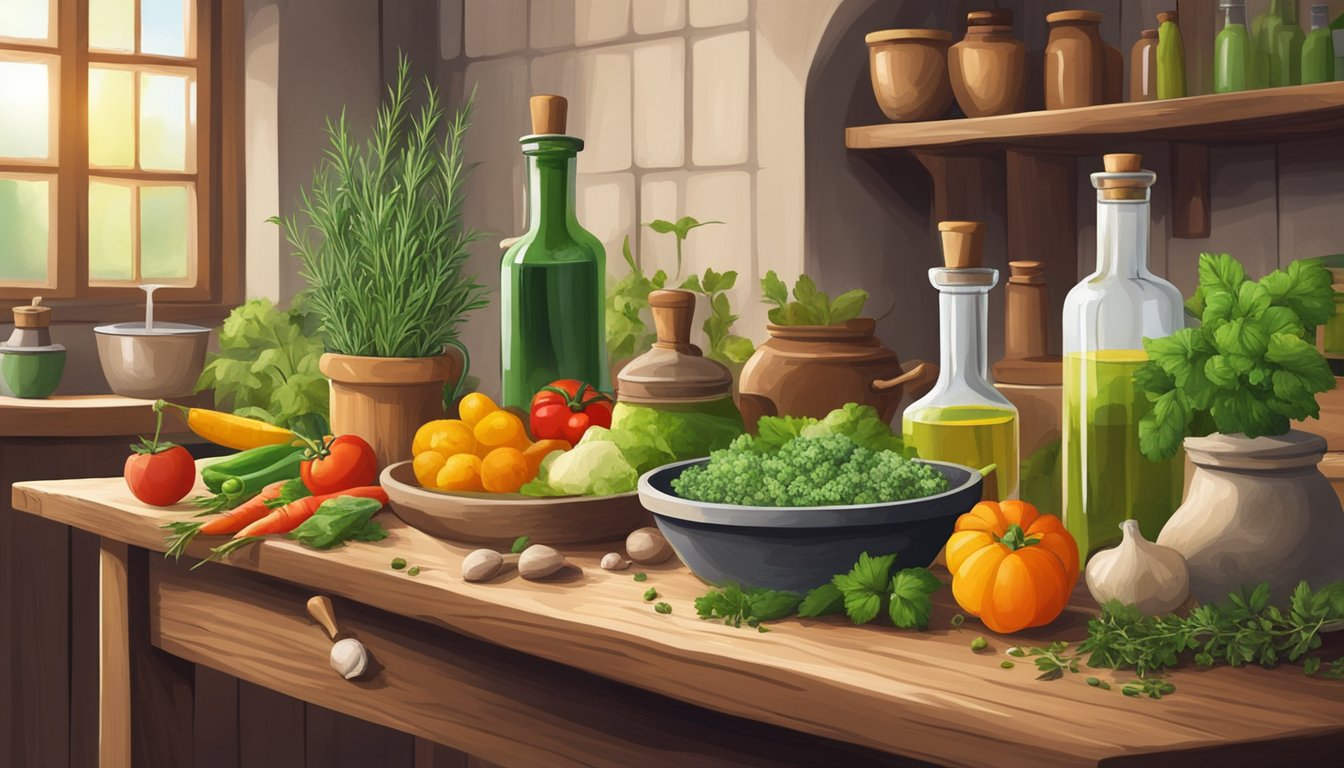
x: 797, y: 548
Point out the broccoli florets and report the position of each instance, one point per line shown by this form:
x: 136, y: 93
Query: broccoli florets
x: 817, y: 471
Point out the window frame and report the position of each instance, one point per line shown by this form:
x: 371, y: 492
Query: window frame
x: 218, y: 64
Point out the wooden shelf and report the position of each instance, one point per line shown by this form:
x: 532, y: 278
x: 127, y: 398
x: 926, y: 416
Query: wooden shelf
x: 87, y: 416
x: 1265, y: 115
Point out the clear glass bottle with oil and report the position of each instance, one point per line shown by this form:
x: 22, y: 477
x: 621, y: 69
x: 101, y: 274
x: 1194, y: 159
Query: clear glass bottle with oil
x: 1107, y: 479
x: 964, y: 419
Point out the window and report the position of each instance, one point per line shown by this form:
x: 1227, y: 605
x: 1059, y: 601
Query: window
x: 107, y: 173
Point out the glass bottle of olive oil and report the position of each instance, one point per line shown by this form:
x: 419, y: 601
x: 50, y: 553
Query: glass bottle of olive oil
x: 553, y: 279
x: 964, y: 419
x: 1107, y: 479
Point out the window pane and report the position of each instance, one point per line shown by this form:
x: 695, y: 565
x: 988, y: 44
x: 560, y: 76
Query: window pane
x: 163, y: 122
x: 25, y: 229
x: 111, y: 118
x: 110, y: 220
x: 27, y: 105
x: 166, y: 248
x: 111, y: 25
x: 27, y: 19
x: 163, y: 27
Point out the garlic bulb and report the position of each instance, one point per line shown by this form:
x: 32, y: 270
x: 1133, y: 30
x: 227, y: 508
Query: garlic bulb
x: 349, y: 658
x: 1148, y: 576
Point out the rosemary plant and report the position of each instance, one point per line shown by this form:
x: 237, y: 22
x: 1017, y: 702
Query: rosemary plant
x: 384, y: 247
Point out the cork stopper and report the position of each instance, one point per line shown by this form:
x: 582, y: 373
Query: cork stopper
x: 1026, y: 272
x: 32, y: 315
x: 999, y: 17
x: 1132, y: 185
x: 1165, y: 16
x: 1088, y: 17
x: 549, y: 113
x: 963, y: 243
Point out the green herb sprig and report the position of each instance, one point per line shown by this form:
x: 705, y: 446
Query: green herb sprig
x: 1251, y: 367
x: 1245, y: 629
x: 870, y: 589
x: 809, y: 306
x: 736, y: 606
x: 724, y: 345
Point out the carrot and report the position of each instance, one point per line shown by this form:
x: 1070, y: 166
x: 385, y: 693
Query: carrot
x: 231, y: 521
x: 287, y: 518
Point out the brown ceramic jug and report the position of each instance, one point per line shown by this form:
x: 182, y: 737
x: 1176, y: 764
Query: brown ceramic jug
x: 810, y: 370
x: 988, y: 67
x: 1075, y: 60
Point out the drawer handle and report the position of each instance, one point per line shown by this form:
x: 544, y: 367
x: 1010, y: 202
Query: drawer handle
x: 348, y: 656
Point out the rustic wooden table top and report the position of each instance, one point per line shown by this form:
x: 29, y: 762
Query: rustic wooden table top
x: 920, y: 694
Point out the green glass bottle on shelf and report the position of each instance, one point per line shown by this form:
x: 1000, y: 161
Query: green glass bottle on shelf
x: 553, y: 279
x: 1232, y: 50
x: 1264, y: 31
x: 1318, y: 50
x: 1107, y: 479
x: 1337, y: 39
x: 1170, y: 57
x: 1285, y: 58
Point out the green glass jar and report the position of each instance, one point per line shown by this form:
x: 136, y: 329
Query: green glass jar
x: 1318, y: 50
x: 1232, y: 56
x: 552, y: 282
x: 1170, y: 57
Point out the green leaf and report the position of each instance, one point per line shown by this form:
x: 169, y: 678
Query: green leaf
x: 692, y: 283
x: 337, y: 521
x: 661, y: 226
x: 1220, y: 373
x: 862, y: 607
x: 847, y: 306
x: 710, y: 282
x: 738, y: 349
x: 1243, y: 336
x: 1162, y: 429
x: 869, y: 574
x: 910, y: 604
x: 769, y: 605
x: 801, y: 314
x: 1302, y: 360
x: 778, y: 316
x: 772, y: 432
x: 1305, y: 288
x: 1219, y: 272
x: 774, y: 290
x: 822, y: 601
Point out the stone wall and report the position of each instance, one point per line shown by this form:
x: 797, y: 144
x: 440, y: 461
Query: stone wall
x: 687, y: 107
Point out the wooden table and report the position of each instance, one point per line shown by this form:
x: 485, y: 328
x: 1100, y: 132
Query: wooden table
x: 582, y: 671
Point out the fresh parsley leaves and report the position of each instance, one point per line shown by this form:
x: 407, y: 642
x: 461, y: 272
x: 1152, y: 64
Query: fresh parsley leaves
x: 1251, y: 366
x: 736, y: 606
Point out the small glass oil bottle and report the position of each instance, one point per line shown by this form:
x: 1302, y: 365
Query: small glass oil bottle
x: 964, y: 419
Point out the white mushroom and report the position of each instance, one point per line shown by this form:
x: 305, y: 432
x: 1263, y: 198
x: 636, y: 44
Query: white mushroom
x: 349, y: 658
x: 647, y: 545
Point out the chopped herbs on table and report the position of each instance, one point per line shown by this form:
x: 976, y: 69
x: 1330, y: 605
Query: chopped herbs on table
x: 519, y: 544
x: 736, y: 606
x: 398, y: 563
x: 641, y: 576
x: 662, y: 608
x: 650, y: 594
x: 979, y: 644
x: 414, y: 570
x: 869, y: 589
x: 338, y: 520
x: 1005, y: 664
x: 1152, y: 687
x: 957, y: 620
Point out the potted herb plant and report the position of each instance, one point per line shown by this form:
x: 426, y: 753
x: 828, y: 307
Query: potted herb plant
x: 821, y: 355
x: 386, y: 268
x: 1258, y: 509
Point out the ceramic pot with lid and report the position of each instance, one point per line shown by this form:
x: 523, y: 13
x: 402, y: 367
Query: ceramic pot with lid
x: 988, y: 67
x: 30, y: 365
x: 673, y: 389
x: 1075, y: 60
x: 908, y: 68
x: 810, y: 370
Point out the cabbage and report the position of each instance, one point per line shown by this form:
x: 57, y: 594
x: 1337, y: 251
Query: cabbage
x: 595, y: 468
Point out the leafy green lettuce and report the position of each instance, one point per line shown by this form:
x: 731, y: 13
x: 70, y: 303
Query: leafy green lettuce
x: 860, y: 423
x: 1251, y: 367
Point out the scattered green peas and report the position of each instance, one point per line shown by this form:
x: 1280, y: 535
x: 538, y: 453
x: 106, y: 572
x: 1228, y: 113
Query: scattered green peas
x: 979, y: 644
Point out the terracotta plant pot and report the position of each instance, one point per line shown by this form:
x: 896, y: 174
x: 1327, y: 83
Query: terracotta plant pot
x: 810, y: 370
x: 385, y: 399
x: 909, y: 73
x: 1257, y: 510
x: 988, y: 68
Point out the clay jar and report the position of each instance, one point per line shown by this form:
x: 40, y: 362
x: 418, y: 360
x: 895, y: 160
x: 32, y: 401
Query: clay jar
x: 1075, y: 60
x: 1257, y: 510
x: 1143, y: 67
x: 988, y: 67
x: 810, y: 370
x: 909, y: 73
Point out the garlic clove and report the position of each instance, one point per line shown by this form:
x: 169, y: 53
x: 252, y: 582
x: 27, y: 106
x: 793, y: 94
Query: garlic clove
x: 612, y: 561
x: 349, y: 658
x: 539, y: 561
x: 482, y: 565
x: 1151, y: 577
x: 647, y: 545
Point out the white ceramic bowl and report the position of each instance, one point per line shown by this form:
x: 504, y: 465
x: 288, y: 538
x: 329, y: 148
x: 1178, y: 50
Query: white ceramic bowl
x: 163, y: 362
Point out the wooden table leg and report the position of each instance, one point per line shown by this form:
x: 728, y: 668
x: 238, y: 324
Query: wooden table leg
x: 114, y: 657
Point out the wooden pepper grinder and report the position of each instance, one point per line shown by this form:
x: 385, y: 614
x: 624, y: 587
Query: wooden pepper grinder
x: 1026, y: 329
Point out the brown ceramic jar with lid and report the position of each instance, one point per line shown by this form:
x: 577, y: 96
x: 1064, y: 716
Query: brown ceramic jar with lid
x: 1075, y: 60
x: 1026, y: 329
x: 988, y: 67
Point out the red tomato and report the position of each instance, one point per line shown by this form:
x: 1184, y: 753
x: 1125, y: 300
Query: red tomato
x: 346, y: 462
x: 565, y: 409
x: 162, y: 478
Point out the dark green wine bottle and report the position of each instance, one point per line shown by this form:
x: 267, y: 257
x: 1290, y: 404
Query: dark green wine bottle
x: 553, y: 280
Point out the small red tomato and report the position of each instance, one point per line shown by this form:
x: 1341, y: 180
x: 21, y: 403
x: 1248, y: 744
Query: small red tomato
x: 565, y: 409
x: 160, y: 474
x: 345, y: 462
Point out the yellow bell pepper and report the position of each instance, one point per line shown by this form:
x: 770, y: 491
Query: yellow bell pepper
x: 236, y: 432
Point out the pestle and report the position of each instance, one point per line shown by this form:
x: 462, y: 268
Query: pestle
x: 149, y: 289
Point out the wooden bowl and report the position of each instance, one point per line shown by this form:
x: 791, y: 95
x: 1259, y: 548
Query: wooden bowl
x: 499, y: 518
x: 909, y: 73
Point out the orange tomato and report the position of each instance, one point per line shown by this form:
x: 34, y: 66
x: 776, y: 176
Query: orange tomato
x: 1011, y: 566
x: 427, y: 465
x: 500, y: 429
x: 474, y: 407
x: 504, y: 470
x: 461, y: 473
